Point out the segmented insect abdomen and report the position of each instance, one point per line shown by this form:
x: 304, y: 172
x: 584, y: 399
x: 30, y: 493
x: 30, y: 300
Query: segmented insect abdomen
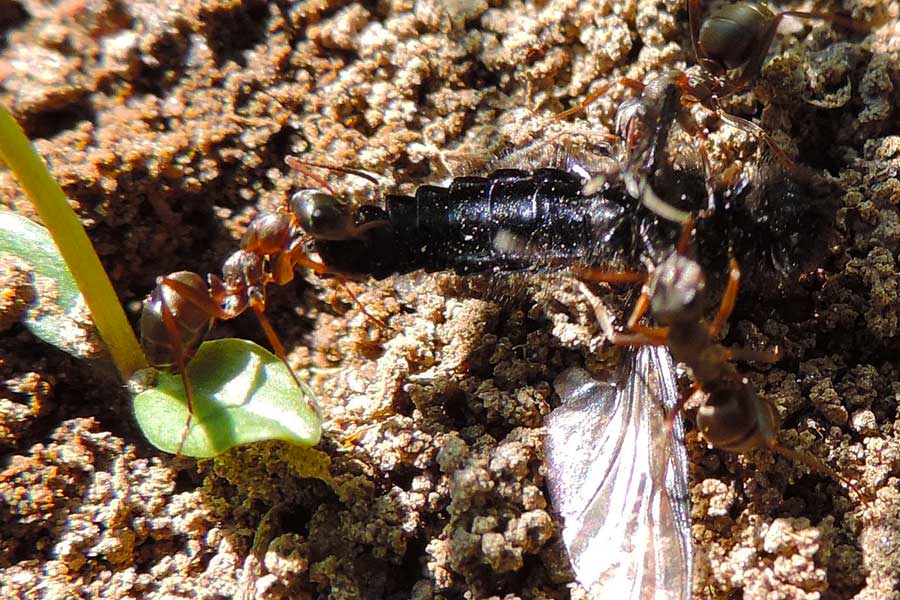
x: 511, y: 220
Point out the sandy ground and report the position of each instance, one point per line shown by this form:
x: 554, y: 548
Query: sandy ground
x: 167, y: 127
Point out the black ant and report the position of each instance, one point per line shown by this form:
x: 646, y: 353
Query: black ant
x: 734, y: 37
x: 732, y: 416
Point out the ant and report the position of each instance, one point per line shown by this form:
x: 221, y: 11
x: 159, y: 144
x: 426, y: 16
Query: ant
x: 734, y: 37
x: 182, y: 308
x: 732, y: 416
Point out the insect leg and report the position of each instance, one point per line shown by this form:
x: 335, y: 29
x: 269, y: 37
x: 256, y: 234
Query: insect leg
x: 815, y: 464
x: 749, y: 355
x: 613, y: 277
x: 753, y: 129
x: 589, y: 99
x: 201, y: 300
x: 593, y: 96
x: 648, y: 336
x: 259, y: 309
x: 684, y: 238
x: 693, y: 7
x: 728, y: 299
x: 361, y: 306
x: 180, y: 363
x: 300, y: 257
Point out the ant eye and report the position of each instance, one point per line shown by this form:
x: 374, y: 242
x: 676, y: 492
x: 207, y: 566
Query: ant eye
x: 321, y: 215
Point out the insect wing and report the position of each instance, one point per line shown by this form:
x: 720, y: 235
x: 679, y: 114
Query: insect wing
x: 625, y: 533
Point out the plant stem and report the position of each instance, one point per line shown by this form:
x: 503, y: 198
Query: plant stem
x: 73, y: 243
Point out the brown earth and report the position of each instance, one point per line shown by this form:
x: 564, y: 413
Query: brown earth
x: 168, y: 128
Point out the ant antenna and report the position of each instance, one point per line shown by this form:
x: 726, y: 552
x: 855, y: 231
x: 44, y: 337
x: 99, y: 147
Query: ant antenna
x: 296, y: 163
x: 815, y: 464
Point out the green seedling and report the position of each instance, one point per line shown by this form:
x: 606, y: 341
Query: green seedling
x: 72, y: 244
x: 241, y: 392
x: 58, y: 314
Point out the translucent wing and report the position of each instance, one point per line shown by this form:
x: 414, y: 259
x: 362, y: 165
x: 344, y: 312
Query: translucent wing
x: 628, y: 537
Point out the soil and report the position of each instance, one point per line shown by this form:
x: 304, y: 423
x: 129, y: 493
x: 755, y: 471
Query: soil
x: 167, y: 125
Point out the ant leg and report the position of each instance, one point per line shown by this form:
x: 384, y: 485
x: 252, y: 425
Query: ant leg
x: 275, y: 341
x: 299, y: 257
x: 619, y: 277
x: 648, y: 336
x: 816, y: 464
x: 589, y: 99
x: 669, y: 428
x: 593, y: 96
x: 362, y: 308
x: 753, y: 129
x: 692, y: 128
x: 181, y: 364
x: 684, y: 238
x: 613, y: 277
x: 298, y: 165
x: 749, y: 355
x: 640, y: 309
x: 728, y: 299
x: 694, y: 20
x: 841, y: 20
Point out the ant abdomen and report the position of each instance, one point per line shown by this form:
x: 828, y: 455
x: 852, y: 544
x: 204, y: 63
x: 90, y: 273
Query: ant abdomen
x: 734, y: 34
x: 190, y: 321
x: 736, y: 419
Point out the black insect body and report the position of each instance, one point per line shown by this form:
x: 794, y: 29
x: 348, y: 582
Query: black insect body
x: 779, y: 220
x: 511, y: 220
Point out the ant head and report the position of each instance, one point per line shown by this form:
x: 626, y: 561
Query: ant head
x: 734, y: 35
x: 323, y: 216
x: 736, y: 419
x: 677, y: 290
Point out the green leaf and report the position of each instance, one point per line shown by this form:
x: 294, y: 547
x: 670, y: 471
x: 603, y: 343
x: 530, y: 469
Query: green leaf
x: 59, y: 315
x: 242, y: 394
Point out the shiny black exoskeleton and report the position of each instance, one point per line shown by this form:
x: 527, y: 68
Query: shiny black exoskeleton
x: 510, y: 220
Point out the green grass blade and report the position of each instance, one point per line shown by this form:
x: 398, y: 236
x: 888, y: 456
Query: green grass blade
x: 73, y: 243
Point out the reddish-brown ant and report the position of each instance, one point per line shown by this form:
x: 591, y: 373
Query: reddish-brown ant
x: 182, y: 308
x: 734, y: 37
x: 732, y: 416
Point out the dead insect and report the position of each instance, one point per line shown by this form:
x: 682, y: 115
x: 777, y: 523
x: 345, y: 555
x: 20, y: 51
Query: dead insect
x: 626, y: 528
x: 627, y: 531
x: 511, y: 220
